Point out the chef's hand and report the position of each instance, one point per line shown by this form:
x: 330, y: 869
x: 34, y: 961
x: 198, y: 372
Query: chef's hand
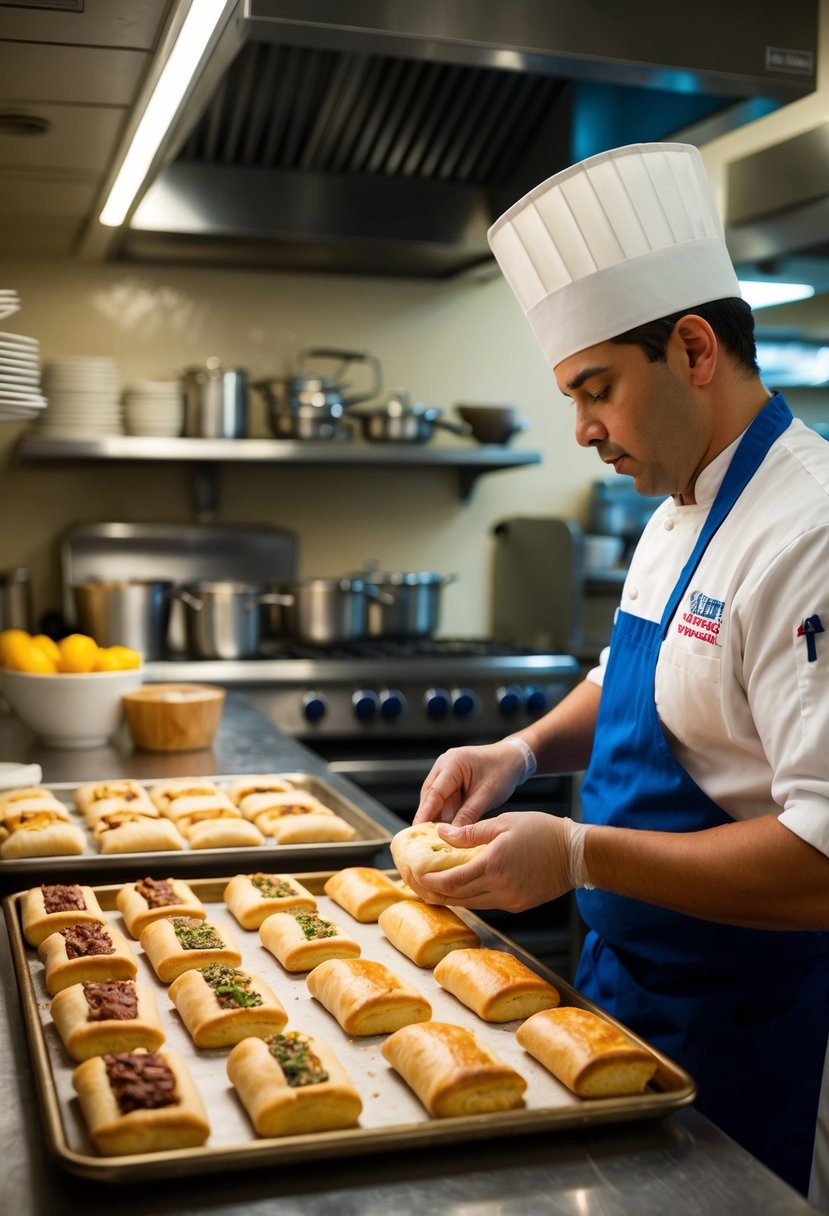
x: 466, y: 782
x: 529, y: 861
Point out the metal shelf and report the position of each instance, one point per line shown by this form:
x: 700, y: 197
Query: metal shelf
x: 209, y: 454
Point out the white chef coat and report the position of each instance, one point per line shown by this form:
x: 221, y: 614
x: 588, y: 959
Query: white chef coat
x: 745, y: 711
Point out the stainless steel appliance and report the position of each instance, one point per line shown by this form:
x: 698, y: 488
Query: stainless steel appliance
x: 379, y: 712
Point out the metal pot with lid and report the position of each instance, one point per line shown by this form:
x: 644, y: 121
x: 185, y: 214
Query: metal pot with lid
x: 223, y: 620
x: 311, y: 406
x: 215, y: 401
x: 400, y: 420
x: 411, y: 604
x: 325, y: 611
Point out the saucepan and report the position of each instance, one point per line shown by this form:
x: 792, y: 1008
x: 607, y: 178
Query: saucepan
x: 401, y: 421
x: 411, y: 602
x: 324, y: 611
x: 311, y: 406
x: 223, y: 620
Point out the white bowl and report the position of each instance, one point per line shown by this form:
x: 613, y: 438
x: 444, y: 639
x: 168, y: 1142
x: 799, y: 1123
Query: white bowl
x: 71, y: 710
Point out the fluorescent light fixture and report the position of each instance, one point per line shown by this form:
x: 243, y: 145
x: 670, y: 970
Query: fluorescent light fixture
x: 766, y: 295
x: 193, y: 37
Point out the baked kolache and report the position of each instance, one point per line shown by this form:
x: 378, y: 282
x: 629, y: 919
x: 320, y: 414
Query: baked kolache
x: 140, y: 1102
x: 55, y: 905
x: 87, y: 950
x: 221, y: 1005
x: 425, y: 933
x: 495, y: 985
x: 292, y: 1083
x: 180, y: 943
x: 253, y: 897
x: 420, y: 849
x: 587, y: 1053
x: 363, y: 891
x: 93, y: 1018
x: 149, y: 899
x: 451, y: 1072
x: 302, y: 939
x: 366, y: 997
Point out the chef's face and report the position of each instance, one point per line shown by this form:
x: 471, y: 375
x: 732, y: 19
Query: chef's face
x: 641, y: 417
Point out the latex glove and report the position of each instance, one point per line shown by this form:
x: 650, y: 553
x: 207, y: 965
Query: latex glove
x: 466, y: 782
x: 532, y: 857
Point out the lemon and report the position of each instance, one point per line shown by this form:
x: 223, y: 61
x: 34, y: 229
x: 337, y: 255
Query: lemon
x: 31, y: 658
x: 78, y: 653
x: 9, y: 640
x: 117, y: 658
x: 49, y: 647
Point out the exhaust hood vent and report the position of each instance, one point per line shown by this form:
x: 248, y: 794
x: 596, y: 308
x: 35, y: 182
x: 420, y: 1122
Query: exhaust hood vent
x: 331, y: 142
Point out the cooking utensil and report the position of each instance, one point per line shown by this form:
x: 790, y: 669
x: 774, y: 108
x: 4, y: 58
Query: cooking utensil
x: 310, y: 406
x: 492, y: 423
x: 130, y: 612
x: 400, y: 421
x: 411, y: 607
x: 324, y: 611
x: 215, y: 401
x: 223, y: 620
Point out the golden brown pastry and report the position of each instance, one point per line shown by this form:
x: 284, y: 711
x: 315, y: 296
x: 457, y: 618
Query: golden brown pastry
x: 256, y: 783
x: 123, y: 790
x: 281, y: 802
x: 451, y: 1072
x: 292, y: 1083
x: 222, y: 1005
x: 363, y: 891
x: 85, y: 951
x: 586, y: 1053
x: 110, y: 1015
x: 164, y: 793
x: 425, y: 933
x: 140, y: 1102
x: 30, y: 798
x: 187, y: 806
x: 134, y: 832
x: 181, y: 943
x: 40, y: 833
x: 420, y: 850
x: 253, y: 897
x: 23, y: 793
x: 366, y: 997
x: 150, y: 899
x: 495, y: 985
x: 53, y: 906
x: 219, y: 828
x: 302, y: 940
x: 307, y: 828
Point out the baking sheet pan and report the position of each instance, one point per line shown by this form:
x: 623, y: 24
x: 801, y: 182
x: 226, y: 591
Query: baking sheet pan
x: 93, y: 866
x: 392, y: 1117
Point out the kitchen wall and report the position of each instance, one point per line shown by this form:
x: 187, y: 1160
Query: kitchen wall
x: 462, y: 341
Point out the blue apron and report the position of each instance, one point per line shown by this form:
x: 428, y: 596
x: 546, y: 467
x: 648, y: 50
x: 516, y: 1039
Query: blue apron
x: 745, y: 1011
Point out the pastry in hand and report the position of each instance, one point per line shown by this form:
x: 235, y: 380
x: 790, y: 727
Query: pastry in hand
x: 222, y: 1005
x: 495, y: 985
x: 301, y: 939
x: 451, y: 1072
x: 253, y: 897
x: 140, y: 1102
x: 85, y: 951
x: 586, y: 1053
x: 148, y: 899
x: 425, y: 933
x: 421, y: 849
x: 181, y: 943
x: 292, y: 1083
x: 106, y: 1015
x: 55, y: 905
x: 366, y: 997
x: 363, y: 891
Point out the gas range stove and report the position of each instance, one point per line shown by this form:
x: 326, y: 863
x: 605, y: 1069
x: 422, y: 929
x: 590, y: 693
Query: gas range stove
x: 465, y: 688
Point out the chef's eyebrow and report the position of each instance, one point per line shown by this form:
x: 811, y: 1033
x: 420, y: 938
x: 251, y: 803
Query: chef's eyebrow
x: 579, y: 380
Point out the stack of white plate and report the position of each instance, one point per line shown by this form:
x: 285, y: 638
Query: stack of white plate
x: 83, y: 395
x: 20, y: 395
x: 154, y: 407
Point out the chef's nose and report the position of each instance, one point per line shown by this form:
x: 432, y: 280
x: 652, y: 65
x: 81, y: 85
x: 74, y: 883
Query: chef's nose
x: 589, y: 429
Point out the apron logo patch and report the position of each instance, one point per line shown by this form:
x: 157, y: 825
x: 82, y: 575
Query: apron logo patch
x: 810, y: 627
x: 703, y: 618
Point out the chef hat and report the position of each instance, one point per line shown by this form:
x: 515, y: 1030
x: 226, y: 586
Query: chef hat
x: 619, y: 239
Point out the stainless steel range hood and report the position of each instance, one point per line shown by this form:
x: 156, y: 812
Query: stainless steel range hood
x: 380, y: 137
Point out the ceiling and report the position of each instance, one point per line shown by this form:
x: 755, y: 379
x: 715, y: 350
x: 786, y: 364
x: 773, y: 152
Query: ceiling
x: 361, y: 136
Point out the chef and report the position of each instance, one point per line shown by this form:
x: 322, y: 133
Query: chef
x: 701, y: 855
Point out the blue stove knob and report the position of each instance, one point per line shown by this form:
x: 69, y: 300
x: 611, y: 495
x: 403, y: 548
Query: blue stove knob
x: 437, y: 702
x: 508, y: 699
x: 392, y: 703
x: 536, y: 699
x: 314, y: 706
x: 464, y: 702
x: 365, y: 704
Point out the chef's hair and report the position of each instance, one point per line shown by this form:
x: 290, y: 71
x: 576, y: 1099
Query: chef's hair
x: 731, y: 320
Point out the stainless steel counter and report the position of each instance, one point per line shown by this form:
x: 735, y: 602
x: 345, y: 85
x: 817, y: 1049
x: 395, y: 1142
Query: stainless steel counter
x: 680, y: 1165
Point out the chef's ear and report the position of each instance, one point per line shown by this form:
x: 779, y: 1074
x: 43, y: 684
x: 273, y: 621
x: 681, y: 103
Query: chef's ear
x: 699, y: 346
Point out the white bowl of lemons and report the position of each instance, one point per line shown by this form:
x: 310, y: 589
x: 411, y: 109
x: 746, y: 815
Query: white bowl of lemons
x: 70, y: 693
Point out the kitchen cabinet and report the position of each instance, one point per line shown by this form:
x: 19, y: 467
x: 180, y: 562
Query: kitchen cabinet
x: 208, y: 455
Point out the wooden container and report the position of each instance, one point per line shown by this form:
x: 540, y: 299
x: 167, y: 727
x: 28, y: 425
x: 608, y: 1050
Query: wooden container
x: 174, y: 717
